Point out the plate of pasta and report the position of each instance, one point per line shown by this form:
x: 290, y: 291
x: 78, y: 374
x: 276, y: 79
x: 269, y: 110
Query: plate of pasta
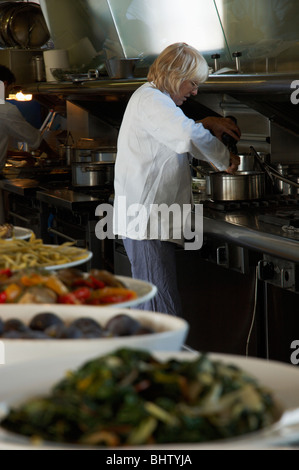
x: 21, y: 233
x: 9, y: 232
x: 16, y: 254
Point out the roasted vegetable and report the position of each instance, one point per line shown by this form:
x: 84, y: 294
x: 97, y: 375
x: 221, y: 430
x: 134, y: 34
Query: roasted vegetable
x: 69, y: 286
x: 130, y: 398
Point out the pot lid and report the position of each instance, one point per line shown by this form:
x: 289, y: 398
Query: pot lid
x: 26, y: 26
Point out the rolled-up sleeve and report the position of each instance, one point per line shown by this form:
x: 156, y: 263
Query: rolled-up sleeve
x: 167, y: 123
x: 19, y: 129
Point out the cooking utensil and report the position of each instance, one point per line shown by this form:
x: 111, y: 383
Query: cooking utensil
x: 82, y: 155
x: 92, y: 174
x: 243, y: 185
x: 228, y: 140
x: 272, y: 173
x: 121, y: 68
x: 104, y: 155
x: 248, y: 162
x: 22, y: 25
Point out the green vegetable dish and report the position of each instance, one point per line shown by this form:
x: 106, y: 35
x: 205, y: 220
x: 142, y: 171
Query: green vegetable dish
x: 129, y: 398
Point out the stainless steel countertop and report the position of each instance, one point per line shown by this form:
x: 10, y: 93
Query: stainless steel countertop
x: 243, y: 228
x: 240, y: 227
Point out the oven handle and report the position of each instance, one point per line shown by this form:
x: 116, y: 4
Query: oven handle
x: 17, y: 216
x: 62, y: 235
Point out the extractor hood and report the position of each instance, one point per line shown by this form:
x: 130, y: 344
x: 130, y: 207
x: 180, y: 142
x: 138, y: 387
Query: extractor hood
x: 265, y: 32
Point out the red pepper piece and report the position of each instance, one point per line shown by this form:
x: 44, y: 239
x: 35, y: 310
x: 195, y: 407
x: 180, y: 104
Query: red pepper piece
x: 3, y: 297
x: 6, y: 272
x: 83, y: 282
x: 97, y: 284
x: 82, y: 293
x: 68, y: 299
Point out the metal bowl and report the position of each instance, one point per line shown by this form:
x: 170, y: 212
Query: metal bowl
x: 121, y: 68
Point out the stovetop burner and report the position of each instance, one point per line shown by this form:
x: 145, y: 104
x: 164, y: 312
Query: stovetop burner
x: 101, y: 192
x: 271, y: 203
x: 281, y: 218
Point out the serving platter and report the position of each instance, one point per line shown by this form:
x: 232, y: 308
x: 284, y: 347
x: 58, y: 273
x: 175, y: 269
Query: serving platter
x: 20, y: 382
x: 21, y: 233
x: 71, y: 264
x: 145, y: 291
x: 170, y: 332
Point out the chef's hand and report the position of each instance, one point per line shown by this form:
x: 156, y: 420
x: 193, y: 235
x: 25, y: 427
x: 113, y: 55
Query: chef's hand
x: 218, y: 126
x: 234, y: 163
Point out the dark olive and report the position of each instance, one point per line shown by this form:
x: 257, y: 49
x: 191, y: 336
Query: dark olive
x: 64, y: 332
x: 88, y: 326
x: 122, y: 325
x: 14, y: 325
x: 12, y: 334
x: 54, y: 331
x: 42, y: 321
x: 144, y: 330
x: 29, y: 334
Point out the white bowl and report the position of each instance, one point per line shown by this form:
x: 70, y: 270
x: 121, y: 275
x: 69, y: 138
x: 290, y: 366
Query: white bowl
x: 20, y: 382
x: 170, y: 332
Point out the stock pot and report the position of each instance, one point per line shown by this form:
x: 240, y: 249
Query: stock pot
x: 84, y: 155
x: 242, y: 186
x: 92, y: 174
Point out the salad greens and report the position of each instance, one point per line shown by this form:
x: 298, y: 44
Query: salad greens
x: 130, y: 398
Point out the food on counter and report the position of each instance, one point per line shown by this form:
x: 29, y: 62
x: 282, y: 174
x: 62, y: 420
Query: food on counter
x: 6, y: 231
x: 67, y: 286
x: 129, y: 398
x: 48, y: 325
x: 21, y: 254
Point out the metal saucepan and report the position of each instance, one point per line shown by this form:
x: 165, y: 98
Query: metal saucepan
x: 105, y: 154
x: 92, y: 174
x: 81, y: 155
x: 242, y: 186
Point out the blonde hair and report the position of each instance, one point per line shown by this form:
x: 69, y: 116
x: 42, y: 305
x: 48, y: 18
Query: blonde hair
x: 174, y: 65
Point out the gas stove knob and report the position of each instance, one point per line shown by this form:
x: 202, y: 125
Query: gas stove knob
x: 266, y: 270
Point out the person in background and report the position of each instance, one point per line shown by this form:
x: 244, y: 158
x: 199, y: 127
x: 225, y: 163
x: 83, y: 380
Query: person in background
x: 155, y: 142
x: 13, y: 126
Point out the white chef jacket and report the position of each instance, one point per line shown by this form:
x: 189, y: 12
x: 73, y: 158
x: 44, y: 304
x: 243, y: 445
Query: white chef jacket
x: 152, y: 167
x: 13, y: 125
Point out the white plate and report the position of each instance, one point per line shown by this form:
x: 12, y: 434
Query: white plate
x: 22, y: 381
x: 171, y: 332
x: 21, y: 233
x: 145, y: 291
x: 72, y: 264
